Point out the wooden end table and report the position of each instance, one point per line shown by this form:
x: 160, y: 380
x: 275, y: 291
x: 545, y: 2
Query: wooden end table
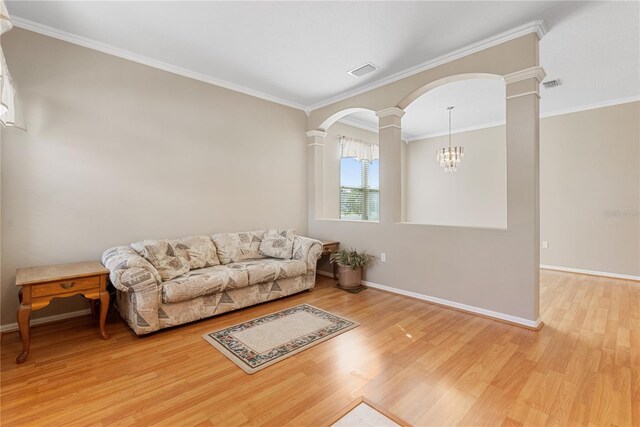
x: 39, y: 285
x: 329, y: 247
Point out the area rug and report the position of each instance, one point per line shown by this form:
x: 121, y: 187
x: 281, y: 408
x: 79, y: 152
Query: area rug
x: 261, y: 342
x: 364, y: 413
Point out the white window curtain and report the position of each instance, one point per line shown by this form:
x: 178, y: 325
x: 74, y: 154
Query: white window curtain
x: 359, y: 150
x: 10, y: 111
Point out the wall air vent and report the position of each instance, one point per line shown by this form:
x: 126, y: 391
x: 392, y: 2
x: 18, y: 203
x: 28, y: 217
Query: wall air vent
x: 363, y: 69
x: 551, y: 84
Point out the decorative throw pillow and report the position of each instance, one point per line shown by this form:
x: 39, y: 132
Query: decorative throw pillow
x: 198, y: 250
x: 238, y: 247
x: 278, y: 244
x: 163, y: 256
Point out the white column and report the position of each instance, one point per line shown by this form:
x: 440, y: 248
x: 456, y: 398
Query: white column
x: 315, y: 173
x: 390, y: 140
x: 523, y: 148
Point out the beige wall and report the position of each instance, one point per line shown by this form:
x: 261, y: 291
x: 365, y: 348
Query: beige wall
x: 493, y: 270
x: 589, y: 185
x: 590, y: 189
x: 117, y: 151
x: 331, y: 161
x: 474, y: 196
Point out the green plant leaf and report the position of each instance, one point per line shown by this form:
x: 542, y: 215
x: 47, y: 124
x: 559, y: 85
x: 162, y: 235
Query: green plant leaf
x: 351, y: 258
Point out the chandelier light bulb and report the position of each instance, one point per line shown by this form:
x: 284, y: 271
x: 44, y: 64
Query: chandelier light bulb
x: 450, y: 157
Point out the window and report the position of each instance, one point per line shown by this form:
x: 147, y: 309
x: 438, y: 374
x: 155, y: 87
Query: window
x: 359, y: 189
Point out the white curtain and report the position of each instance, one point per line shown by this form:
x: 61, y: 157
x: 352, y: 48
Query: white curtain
x: 359, y: 150
x: 10, y: 111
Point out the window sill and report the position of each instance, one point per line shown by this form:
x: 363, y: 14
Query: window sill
x: 348, y: 220
x: 474, y: 227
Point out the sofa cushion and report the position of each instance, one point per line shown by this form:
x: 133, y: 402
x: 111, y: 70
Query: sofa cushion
x: 269, y: 269
x: 237, y: 247
x: 198, y: 250
x: 203, y: 281
x: 163, y: 256
x: 277, y: 243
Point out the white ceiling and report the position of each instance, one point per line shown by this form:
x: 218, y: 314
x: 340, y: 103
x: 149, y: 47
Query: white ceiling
x: 298, y: 53
x: 595, y: 52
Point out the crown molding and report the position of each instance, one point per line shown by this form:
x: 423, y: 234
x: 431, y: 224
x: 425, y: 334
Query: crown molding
x: 604, y: 104
x: 609, y: 103
x: 316, y: 132
x: 411, y: 138
x: 526, y: 74
x: 392, y: 111
x: 358, y: 124
x: 536, y: 27
x: 141, y: 59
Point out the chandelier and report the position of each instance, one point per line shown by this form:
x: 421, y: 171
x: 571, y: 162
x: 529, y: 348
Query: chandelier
x: 450, y: 157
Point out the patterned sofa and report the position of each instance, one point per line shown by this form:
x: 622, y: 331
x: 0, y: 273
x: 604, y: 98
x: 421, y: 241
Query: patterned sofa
x: 164, y: 283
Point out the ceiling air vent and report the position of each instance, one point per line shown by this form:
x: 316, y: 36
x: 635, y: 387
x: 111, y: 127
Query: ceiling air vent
x: 551, y: 84
x: 363, y: 69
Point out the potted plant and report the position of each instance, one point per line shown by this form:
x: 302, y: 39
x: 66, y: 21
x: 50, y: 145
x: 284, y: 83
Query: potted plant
x: 350, y: 264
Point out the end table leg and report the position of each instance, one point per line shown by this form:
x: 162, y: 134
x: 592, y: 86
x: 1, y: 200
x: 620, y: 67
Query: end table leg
x: 24, y: 315
x: 93, y: 308
x: 104, y: 308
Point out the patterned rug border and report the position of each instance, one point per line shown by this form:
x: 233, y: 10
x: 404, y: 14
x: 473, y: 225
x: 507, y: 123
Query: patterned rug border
x: 251, y: 370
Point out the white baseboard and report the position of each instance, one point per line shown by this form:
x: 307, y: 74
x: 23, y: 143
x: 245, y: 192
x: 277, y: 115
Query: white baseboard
x: 591, y: 272
x: 459, y: 306
x: 11, y: 327
x: 533, y: 324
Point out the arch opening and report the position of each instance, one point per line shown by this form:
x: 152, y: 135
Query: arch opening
x: 475, y: 195
x: 351, y: 166
x: 340, y: 115
x: 417, y: 93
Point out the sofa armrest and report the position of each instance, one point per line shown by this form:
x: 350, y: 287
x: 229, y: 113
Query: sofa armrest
x: 128, y: 271
x: 307, y: 250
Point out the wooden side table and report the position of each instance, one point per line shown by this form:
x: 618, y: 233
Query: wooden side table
x: 329, y: 247
x: 39, y: 285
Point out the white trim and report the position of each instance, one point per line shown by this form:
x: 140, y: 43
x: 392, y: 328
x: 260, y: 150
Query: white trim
x: 591, y: 272
x: 464, y: 307
x: 141, y: 59
x: 351, y: 221
x: 316, y: 132
x: 391, y: 111
x: 603, y: 104
x: 528, y: 73
x: 532, y: 92
x: 537, y: 27
x: 315, y: 143
x: 11, y: 327
x: 390, y: 126
x: 461, y: 130
x: 358, y: 124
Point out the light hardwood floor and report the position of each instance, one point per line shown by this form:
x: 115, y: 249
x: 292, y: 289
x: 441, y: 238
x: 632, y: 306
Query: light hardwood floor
x: 426, y: 364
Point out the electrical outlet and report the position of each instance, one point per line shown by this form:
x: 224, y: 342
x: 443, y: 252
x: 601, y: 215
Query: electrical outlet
x: 383, y: 257
x: 545, y: 244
